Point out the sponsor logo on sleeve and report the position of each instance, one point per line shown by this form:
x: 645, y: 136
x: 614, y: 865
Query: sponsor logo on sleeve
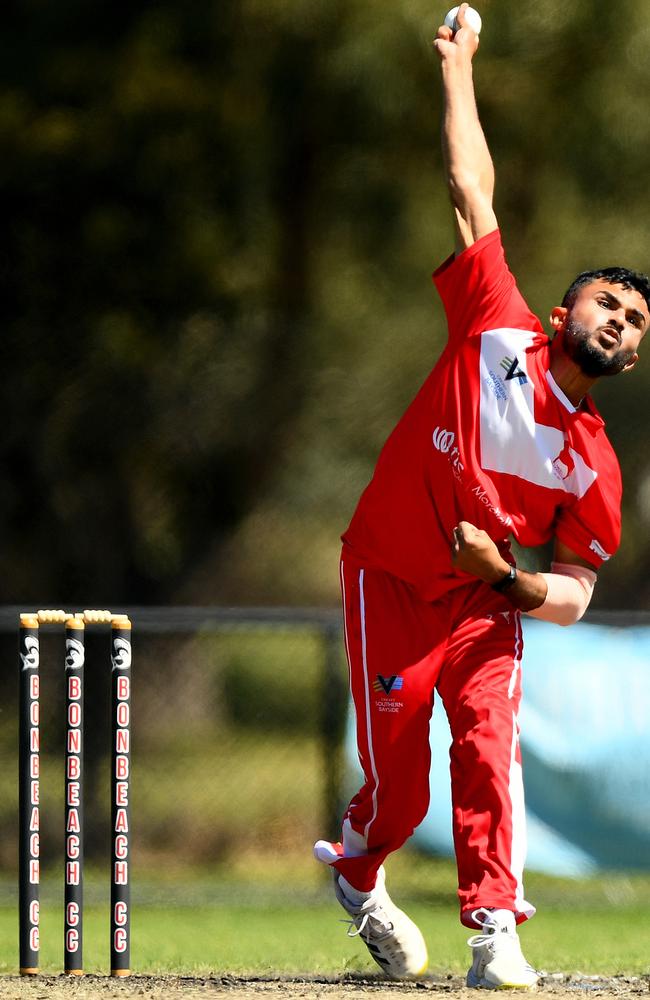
x: 599, y: 550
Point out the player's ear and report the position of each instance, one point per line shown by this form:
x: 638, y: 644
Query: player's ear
x: 558, y: 316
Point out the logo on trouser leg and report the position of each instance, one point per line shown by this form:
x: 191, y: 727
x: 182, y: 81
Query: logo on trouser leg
x: 388, y: 684
x: 386, y: 688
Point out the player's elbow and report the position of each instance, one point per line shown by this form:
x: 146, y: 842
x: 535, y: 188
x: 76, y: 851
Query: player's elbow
x: 468, y: 189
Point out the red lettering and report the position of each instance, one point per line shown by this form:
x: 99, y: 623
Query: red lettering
x: 120, y: 940
x: 121, y: 767
x: 34, y: 844
x: 121, y: 873
x: 74, y: 825
x: 72, y: 846
x: 121, y: 793
x: 34, y: 740
x: 34, y: 911
x: 121, y: 847
x: 72, y: 873
x: 122, y: 714
x: 35, y: 819
x: 34, y: 939
x: 121, y: 821
x: 74, y: 715
x: 72, y: 914
x: 34, y: 872
x: 73, y: 769
x: 122, y: 741
x: 34, y: 765
x: 33, y: 713
x: 34, y: 686
x: 74, y: 741
x: 74, y: 687
x: 35, y: 791
x: 121, y: 914
x: 71, y: 940
x: 123, y: 685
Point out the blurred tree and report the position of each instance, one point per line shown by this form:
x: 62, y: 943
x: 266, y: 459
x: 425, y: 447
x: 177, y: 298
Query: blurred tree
x: 219, y: 220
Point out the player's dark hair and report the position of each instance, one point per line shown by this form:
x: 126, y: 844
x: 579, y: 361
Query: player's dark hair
x: 613, y: 276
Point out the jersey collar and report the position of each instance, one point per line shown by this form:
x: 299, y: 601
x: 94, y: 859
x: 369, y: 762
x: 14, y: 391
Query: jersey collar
x: 555, y: 389
x: 587, y: 403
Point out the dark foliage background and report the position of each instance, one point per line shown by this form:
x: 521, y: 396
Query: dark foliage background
x: 219, y: 221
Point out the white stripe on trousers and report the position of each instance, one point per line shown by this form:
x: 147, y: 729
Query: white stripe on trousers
x: 362, y: 602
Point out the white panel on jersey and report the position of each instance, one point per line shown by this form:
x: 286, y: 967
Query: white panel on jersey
x: 511, y: 441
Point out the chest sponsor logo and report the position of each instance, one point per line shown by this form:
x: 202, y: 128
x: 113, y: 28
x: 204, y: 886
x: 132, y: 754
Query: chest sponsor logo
x: 512, y: 369
x: 443, y: 440
x: 512, y: 442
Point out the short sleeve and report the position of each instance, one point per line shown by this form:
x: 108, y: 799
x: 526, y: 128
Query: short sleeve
x: 591, y: 527
x: 479, y: 292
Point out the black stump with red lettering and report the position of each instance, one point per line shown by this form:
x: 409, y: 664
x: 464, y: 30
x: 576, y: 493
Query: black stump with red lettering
x: 120, y: 796
x: 29, y: 796
x: 74, y: 832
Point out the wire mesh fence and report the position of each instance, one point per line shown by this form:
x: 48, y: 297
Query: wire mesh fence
x: 238, y: 718
x: 238, y: 727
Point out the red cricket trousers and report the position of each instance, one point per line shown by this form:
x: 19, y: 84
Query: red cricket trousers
x: 468, y: 648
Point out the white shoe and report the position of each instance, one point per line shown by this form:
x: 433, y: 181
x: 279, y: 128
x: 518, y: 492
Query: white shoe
x: 498, y: 960
x: 394, y: 941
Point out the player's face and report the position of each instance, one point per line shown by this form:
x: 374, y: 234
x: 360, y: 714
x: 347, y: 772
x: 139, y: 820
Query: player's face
x: 604, y: 327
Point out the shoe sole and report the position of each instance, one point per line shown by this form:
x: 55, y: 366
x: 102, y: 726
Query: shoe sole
x: 483, y: 984
x: 405, y: 977
x: 397, y: 977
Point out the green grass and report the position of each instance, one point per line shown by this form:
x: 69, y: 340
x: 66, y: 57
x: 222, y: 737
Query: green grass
x: 283, y: 920
x: 309, y: 939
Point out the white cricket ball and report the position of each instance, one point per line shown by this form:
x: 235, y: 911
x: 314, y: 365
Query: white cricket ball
x: 472, y: 19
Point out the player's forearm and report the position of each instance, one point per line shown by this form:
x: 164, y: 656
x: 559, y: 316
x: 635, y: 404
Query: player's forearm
x: 474, y: 552
x: 561, y: 597
x: 468, y: 165
x: 528, y: 590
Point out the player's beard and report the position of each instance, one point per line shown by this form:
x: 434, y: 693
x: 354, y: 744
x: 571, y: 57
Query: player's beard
x: 592, y: 359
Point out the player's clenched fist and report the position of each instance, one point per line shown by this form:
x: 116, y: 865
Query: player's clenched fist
x: 473, y: 551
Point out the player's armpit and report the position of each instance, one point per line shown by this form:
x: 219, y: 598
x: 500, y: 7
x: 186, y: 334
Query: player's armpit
x: 570, y: 587
x: 563, y: 554
x: 472, y: 221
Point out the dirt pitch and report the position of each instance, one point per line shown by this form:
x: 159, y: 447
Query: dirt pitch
x: 558, y: 987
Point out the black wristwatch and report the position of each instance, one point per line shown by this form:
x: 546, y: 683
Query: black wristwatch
x: 507, y: 581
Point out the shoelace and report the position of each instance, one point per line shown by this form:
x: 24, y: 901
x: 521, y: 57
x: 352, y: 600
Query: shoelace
x: 385, y: 925
x: 495, y: 941
x: 478, y: 940
x: 351, y: 924
x: 494, y: 937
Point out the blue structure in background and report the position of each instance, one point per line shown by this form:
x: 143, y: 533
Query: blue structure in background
x: 586, y: 751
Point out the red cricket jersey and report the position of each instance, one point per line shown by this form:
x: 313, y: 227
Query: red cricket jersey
x: 491, y: 439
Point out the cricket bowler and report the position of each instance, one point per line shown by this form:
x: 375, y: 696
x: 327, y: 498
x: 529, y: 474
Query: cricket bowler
x: 502, y: 442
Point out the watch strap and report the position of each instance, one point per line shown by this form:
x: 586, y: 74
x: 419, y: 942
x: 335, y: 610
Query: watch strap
x: 507, y: 580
